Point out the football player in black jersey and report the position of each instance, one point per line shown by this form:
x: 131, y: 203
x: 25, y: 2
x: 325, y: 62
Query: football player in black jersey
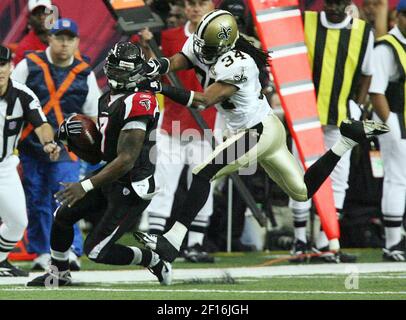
x: 118, y: 193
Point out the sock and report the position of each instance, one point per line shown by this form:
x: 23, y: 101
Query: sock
x: 143, y: 257
x: 343, y: 145
x: 176, y: 234
x: 393, y: 229
x: 61, y: 236
x: 195, y: 238
x: 300, y: 217
x: 156, y: 223
x: 319, y: 171
x: 321, y: 241
x: 196, y: 198
x: 5, y: 247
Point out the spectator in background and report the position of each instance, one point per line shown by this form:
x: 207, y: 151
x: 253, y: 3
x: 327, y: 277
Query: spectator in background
x: 37, y: 37
x: 173, y: 151
x: 388, y: 96
x: 64, y: 84
x: 375, y: 12
x: 334, y: 38
x: 176, y: 17
x: 392, y: 19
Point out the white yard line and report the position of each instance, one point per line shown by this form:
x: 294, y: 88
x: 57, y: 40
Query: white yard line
x: 134, y: 276
x: 213, y: 291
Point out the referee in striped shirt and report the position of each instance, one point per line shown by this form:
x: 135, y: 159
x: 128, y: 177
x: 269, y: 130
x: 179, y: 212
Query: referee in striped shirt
x: 18, y: 104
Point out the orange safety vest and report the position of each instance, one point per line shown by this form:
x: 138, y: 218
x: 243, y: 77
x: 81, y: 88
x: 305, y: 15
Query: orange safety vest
x: 55, y: 95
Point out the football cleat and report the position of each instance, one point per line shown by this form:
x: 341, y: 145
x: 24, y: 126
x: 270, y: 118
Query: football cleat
x: 298, y: 251
x: 74, y: 261
x: 325, y: 255
x: 395, y: 253
x: 196, y: 254
x: 360, y: 131
x: 51, y: 280
x: 158, y: 244
x: 163, y: 271
x: 8, y: 270
x: 42, y: 262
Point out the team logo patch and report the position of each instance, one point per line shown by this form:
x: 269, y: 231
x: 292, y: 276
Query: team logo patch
x: 240, y: 78
x: 225, y: 32
x: 126, y: 191
x: 146, y: 104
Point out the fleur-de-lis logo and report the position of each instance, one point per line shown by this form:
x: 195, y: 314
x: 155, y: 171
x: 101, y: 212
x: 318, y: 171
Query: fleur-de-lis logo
x: 240, y: 78
x: 225, y: 32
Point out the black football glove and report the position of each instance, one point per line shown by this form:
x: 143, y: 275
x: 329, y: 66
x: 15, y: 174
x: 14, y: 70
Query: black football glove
x: 68, y: 128
x: 149, y: 85
x: 155, y: 67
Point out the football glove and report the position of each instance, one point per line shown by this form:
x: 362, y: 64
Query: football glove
x: 68, y: 128
x: 149, y: 85
x: 155, y: 67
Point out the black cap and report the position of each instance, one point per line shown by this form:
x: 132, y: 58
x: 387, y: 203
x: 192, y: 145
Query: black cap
x: 5, y: 54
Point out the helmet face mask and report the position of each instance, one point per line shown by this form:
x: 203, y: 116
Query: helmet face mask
x: 123, y: 65
x: 216, y: 34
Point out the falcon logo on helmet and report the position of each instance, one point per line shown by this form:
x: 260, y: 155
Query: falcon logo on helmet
x: 123, y: 65
x: 215, y: 35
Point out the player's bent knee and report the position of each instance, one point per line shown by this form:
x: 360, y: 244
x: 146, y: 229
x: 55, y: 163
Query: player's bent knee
x: 94, y: 251
x: 62, y: 217
x: 299, y: 194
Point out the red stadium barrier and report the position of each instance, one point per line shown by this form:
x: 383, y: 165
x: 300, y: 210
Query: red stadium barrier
x: 280, y: 29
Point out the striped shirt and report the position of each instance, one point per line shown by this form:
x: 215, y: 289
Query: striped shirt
x: 18, y: 105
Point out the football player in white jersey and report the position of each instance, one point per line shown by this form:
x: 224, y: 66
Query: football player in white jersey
x: 230, y: 69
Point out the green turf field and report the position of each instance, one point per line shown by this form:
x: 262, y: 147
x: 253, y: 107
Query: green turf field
x: 250, y: 281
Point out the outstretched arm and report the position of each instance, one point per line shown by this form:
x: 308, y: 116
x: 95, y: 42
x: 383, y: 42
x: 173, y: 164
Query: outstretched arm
x: 129, y: 146
x: 215, y: 93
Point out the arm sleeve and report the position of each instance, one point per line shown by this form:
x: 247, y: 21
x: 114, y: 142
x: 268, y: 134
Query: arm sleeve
x: 385, y: 69
x: 32, y: 108
x: 20, y: 73
x: 368, y: 62
x: 90, y: 107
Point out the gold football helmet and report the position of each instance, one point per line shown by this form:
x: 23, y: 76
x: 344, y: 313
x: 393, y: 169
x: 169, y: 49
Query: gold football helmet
x: 215, y: 35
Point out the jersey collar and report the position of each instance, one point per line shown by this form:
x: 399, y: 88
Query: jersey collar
x: 330, y: 25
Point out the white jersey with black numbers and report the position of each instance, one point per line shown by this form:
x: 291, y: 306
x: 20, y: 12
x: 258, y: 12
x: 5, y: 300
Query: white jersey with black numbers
x: 245, y: 108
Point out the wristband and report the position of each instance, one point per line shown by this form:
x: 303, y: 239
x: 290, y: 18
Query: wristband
x: 87, y: 185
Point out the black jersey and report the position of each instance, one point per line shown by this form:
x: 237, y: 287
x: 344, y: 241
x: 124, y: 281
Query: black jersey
x: 118, y: 111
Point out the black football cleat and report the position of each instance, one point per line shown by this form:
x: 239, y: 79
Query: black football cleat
x: 196, y: 254
x: 163, y: 271
x: 51, y: 280
x: 8, y: 270
x: 298, y: 252
x: 360, y: 131
x: 158, y: 244
x: 395, y: 253
x: 326, y: 256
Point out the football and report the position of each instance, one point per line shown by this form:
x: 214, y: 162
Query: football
x: 86, y: 145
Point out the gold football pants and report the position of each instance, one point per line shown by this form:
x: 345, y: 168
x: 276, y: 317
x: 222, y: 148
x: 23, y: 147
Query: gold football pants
x: 264, y: 144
